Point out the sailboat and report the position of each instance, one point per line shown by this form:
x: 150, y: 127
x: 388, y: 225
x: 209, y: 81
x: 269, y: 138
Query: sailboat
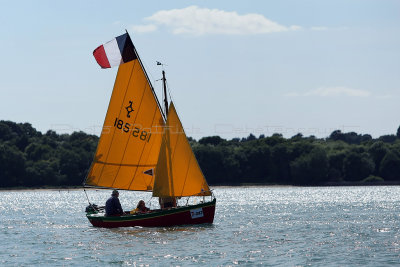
x: 144, y: 148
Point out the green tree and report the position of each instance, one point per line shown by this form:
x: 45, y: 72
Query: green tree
x: 12, y: 166
x: 335, y: 160
x: 218, y: 165
x: 390, y: 138
x: 37, y: 151
x: 280, y: 168
x: 377, y: 151
x: 357, y: 166
x: 72, y: 167
x: 274, y: 140
x: 390, y: 167
x: 255, y: 163
x: 337, y: 135
x: 5, y: 132
x: 211, y: 140
x: 28, y: 158
x: 311, y: 168
x: 43, y: 172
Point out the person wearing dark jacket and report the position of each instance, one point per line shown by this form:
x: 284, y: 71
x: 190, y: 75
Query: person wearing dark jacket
x: 113, y: 206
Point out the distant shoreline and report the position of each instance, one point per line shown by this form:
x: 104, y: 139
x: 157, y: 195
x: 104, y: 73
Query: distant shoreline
x: 64, y: 188
x: 331, y: 184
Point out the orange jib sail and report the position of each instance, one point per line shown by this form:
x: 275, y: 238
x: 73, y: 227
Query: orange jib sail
x: 131, y: 137
x: 177, y: 173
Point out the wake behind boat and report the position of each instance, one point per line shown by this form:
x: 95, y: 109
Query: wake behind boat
x: 143, y: 148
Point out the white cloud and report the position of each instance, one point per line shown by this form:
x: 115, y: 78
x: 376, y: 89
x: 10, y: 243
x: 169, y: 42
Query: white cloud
x: 332, y: 91
x: 144, y: 28
x: 200, y: 21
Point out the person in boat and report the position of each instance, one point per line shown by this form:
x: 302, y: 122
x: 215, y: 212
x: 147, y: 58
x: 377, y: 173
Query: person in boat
x: 167, y: 202
x: 140, y: 208
x: 113, y: 206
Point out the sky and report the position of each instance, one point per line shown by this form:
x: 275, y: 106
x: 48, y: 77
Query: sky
x: 233, y: 67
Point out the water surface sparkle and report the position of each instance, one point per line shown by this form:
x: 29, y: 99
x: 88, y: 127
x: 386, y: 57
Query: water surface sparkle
x: 279, y: 226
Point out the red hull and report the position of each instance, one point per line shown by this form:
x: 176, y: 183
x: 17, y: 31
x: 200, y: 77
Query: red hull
x: 195, y: 214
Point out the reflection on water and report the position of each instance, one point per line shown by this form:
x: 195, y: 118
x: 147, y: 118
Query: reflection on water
x: 164, y: 232
x: 288, y: 226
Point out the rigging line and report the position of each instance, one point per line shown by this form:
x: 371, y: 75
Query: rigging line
x: 172, y: 100
x: 150, y: 74
x: 149, y: 201
x: 169, y: 92
x: 148, y: 79
x: 87, y: 196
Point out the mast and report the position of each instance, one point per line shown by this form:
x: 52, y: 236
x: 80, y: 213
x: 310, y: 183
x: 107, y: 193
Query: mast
x: 165, y: 92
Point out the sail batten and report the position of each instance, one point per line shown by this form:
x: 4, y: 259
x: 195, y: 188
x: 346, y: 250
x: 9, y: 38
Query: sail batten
x: 126, y: 165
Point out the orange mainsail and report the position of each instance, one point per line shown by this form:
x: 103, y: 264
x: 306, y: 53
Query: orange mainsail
x: 131, y: 137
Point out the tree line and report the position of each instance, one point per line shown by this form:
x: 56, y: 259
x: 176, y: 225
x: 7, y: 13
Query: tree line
x: 29, y: 158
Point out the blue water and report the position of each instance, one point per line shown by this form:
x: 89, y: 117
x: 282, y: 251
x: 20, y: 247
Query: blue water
x: 274, y: 226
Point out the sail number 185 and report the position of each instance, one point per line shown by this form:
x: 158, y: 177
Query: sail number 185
x: 136, y: 131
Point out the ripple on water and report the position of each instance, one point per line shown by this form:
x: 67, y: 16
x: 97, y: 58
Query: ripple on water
x: 287, y: 226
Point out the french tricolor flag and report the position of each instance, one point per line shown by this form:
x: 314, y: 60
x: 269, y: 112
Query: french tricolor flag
x: 115, y: 52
